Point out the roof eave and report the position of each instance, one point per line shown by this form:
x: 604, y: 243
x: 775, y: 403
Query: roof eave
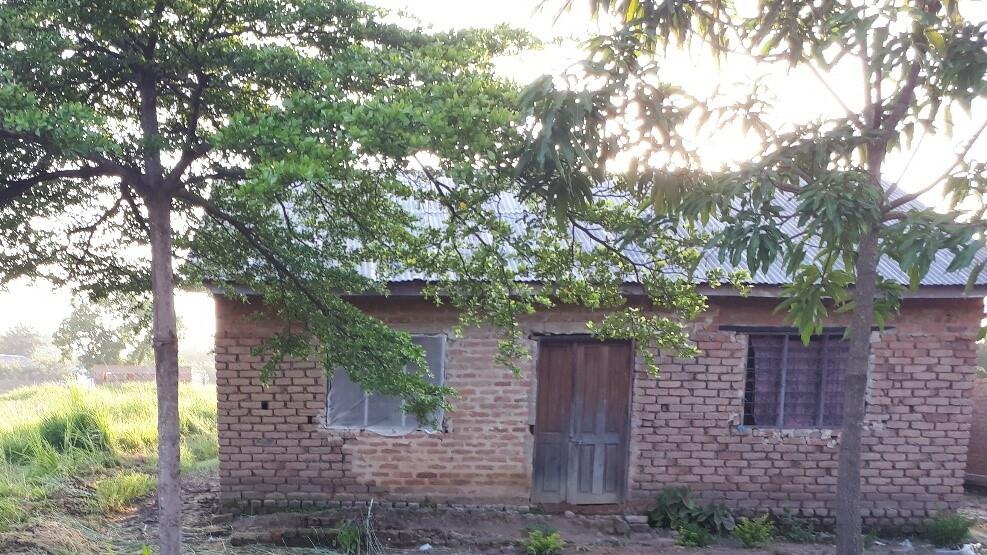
x: 415, y: 288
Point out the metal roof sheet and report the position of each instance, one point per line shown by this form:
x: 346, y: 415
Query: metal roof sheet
x: 512, y: 211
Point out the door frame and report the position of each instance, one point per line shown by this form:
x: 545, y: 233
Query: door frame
x: 573, y: 340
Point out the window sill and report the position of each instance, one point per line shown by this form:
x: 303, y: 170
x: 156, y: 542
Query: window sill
x: 388, y: 432
x: 753, y: 428
x: 784, y: 433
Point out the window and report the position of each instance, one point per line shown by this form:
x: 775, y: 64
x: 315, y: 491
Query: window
x: 793, y: 385
x: 352, y: 408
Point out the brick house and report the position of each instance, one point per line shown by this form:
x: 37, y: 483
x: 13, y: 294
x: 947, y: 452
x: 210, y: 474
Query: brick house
x: 753, y: 422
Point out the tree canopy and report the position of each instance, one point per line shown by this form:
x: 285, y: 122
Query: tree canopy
x: 276, y: 146
x: 21, y: 340
x: 919, y: 62
x: 115, y: 330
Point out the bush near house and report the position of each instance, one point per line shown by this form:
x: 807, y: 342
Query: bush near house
x: 693, y: 535
x: 543, y: 542
x: 793, y: 528
x: 754, y: 532
x: 349, y: 538
x: 949, y: 530
x: 675, y: 508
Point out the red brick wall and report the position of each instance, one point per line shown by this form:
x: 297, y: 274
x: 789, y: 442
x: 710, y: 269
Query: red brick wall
x: 976, y: 463
x: 285, y: 452
x: 917, y: 425
x: 684, y: 425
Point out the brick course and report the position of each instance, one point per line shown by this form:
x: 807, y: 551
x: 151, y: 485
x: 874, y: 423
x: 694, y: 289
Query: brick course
x: 275, y: 449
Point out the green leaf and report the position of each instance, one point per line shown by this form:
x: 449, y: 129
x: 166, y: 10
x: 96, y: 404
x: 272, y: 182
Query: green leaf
x: 936, y: 39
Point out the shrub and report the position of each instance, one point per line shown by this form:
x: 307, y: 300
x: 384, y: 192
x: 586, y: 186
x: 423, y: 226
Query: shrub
x: 119, y: 492
x: 672, y: 508
x: 948, y: 530
x: 675, y: 508
x: 794, y: 529
x: 693, y: 535
x: 754, y: 532
x: 349, y: 538
x: 543, y: 542
x: 716, y: 518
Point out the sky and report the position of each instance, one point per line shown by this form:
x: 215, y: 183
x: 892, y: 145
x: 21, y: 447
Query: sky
x: 799, y: 95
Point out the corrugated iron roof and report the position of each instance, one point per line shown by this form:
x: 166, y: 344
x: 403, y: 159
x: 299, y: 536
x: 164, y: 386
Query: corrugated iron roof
x: 512, y: 211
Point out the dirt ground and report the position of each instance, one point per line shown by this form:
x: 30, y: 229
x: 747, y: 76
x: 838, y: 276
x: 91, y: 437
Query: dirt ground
x: 495, y: 532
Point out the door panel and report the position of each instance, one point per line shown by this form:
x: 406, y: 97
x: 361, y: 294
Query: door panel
x: 555, y: 363
x: 581, y: 418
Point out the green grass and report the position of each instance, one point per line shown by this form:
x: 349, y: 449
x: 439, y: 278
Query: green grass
x: 53, y: 437
x: 122, y: 490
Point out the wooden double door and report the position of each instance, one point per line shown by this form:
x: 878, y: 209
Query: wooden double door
x: 581, y: 421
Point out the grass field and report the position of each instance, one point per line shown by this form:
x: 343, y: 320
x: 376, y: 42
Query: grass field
x: 88, y: 453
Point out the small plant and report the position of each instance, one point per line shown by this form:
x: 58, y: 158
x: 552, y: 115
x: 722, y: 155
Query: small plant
x: 948, y: 530
x: 754, y: 532
x: 716, y: 518
x: 672, y: 508
x: 119, y: 492
x: 543, y: 542
x: 349, y: 538
x: 793, y: 528
x: 675, y: 508
x: 693, y: 535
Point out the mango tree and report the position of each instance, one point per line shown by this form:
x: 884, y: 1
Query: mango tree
x: 613, y: 119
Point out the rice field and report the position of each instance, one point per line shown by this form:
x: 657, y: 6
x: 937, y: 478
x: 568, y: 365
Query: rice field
x: 91, y: 451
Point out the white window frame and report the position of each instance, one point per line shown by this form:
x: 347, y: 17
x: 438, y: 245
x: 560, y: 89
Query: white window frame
x: 405, y: 428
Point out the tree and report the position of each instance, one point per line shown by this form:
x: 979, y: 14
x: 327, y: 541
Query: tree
x: 21, y: 340
x: 152, y: 116
x: 276, y: 146
x: 919, y: 62
x: 113, y: 331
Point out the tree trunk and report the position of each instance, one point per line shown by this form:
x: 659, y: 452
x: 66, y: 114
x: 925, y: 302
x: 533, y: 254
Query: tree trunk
x: 166, y: 375
x: 849, y: 537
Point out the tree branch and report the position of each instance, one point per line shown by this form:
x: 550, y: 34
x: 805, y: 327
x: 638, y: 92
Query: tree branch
x: 442, y: 190
x: 192, y: 151
x: 902, y: 100
x: 128, y: 195
x: 106, y: 215
x: 870, y: 110
x: 890, y: 206
x: 231, y: 174
x: 13, y: 189
x: 251, y: 237
x: 853, y: 116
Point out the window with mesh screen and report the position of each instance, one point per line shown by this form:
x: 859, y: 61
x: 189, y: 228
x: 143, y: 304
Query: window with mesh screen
x: 791, y: 384
x: 351, y: 408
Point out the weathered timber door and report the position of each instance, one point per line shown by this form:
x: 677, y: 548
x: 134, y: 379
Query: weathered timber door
x: 581, y: 421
